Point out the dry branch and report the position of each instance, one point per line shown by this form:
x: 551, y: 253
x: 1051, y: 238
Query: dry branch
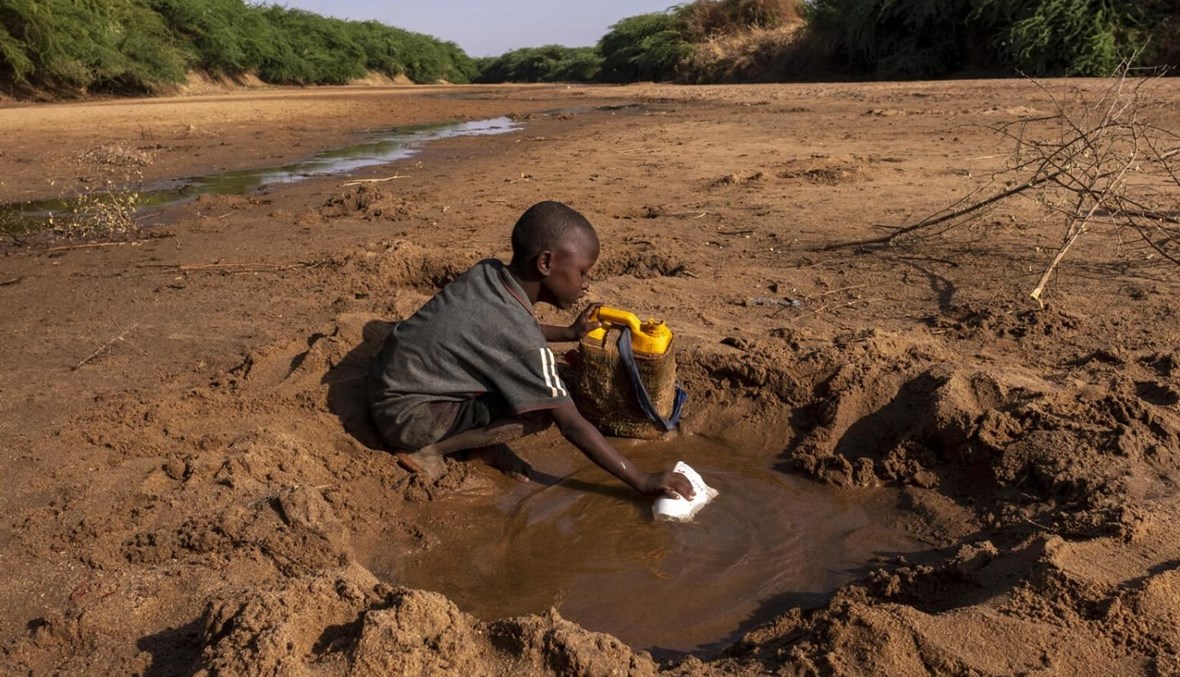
x: 357, y: 182
x: 1096, y: 165
x: 824, y: 309
x: 89, y: 245
x: 104, y: 347
x: 248, y: 267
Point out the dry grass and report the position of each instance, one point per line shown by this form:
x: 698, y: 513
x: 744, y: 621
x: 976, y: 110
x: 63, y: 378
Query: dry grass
x: 707, y: 19
x: 115, y: 155
x: 753, y: 55
x: 101, y: 214
x: 107, y: 208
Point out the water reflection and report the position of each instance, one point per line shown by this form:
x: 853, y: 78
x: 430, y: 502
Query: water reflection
x: 589, y: 547
x: 388, y: 145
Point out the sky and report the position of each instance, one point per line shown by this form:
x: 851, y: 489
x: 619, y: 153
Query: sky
x: 490, y: 27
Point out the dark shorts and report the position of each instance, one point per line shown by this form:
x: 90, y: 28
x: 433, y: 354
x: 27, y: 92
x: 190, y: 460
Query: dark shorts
x: 411, y: 425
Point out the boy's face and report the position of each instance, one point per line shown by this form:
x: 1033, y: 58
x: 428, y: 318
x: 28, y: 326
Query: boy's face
x: 569, y: 269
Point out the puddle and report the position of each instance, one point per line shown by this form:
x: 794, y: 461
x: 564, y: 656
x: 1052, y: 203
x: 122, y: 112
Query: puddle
x: 383, y: 147
x: 588, y: 546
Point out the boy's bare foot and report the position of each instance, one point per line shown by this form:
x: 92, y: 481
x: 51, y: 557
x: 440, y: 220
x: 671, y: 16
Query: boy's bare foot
x: 427, y: 461
x: 502, y: 458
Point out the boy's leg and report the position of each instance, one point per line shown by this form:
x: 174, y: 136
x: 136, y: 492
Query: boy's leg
x: 429, y: 459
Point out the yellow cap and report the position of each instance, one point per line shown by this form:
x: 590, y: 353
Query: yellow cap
x: 650, y: 337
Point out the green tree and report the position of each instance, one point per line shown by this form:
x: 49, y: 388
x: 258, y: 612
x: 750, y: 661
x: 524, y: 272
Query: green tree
x: 921, y: 38
x: 644, y: 47
x: 223, y: 37
x: 144, y: 45
x: 550, y: 63
x: 1071, y: 37
x: 112, y: 45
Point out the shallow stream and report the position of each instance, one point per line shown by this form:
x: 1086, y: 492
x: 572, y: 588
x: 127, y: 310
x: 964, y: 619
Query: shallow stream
x: 381, y: 147
x: 577, y: 540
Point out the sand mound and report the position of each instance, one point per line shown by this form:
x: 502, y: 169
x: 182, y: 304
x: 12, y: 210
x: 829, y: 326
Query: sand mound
x: 344, y: 621
x: 275, y: 496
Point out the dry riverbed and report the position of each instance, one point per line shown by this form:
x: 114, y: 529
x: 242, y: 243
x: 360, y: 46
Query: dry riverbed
x: 192, y: 483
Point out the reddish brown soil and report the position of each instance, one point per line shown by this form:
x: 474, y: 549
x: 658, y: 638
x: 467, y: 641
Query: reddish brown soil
x: 202, y: 494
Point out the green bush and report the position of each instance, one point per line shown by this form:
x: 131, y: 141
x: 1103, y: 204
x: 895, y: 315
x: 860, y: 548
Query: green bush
x: 898, y: 37
x: 644, y: 47
x: 221, y: 37
x: 551, y: 63
x: 428, y: 60
x: 313, y: 50
x: 145, y: 45
x: 1072, y: 37
x: 116, y: 45
x: 383, y: 47
x: 920, y: 38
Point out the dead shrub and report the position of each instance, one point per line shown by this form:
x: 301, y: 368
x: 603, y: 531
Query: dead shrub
x: 115, y: 155
x: 707, y: 19
x: 754, y: 55
x: 107, y: 209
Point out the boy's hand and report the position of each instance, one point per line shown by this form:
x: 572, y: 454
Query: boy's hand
x: 584, y: 324
x: 666, y: 484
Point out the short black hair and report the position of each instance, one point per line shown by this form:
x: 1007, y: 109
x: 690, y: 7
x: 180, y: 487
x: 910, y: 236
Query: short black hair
x: 544, y: 227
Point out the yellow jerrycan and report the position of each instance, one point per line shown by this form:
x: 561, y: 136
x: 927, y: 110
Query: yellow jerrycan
x: 626, y: 383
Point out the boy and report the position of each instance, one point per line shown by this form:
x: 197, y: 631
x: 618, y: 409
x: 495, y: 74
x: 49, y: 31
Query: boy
x: 472, y: 367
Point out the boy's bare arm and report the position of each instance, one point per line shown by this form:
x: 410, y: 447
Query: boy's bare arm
x: 555, y: 334
x: 580, y: 327
x: 575, y: 428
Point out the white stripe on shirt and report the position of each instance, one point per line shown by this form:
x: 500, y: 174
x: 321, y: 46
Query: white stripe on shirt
x: 552, y: 380
x: 556, y: 378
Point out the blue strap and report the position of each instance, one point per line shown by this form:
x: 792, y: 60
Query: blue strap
x: 641, y: 395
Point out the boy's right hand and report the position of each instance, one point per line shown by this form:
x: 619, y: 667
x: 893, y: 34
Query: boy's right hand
x: 586, y: 322
x: 666, y: 484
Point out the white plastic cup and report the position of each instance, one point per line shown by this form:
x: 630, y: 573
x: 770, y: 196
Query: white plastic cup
x: 681, y: 509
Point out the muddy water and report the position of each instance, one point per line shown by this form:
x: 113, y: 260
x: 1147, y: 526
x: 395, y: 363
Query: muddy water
x: 381, y: 147
x: 577, y: 540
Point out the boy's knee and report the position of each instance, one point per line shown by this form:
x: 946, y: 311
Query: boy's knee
x: 520, y: 426
x: 536, y: 421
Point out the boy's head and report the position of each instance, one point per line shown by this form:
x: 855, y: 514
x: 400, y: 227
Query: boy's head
x: 556, y: 246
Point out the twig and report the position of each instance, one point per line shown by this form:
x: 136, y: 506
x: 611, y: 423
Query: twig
x: 824, y: 309
x: 1079, y: 227
x: 14, y: 280
x: 388, y: 178
x: 91, y: 245
x: 1168, y: 217
x: 104, y: 347
x: 237, y: 266
x: 806, y: 299
x: 833, y: 291
x: 735, y: 232
x: 232, y: 267
x: 772, y: 301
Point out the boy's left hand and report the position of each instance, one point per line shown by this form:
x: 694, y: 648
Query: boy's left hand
x: 585, y: 324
